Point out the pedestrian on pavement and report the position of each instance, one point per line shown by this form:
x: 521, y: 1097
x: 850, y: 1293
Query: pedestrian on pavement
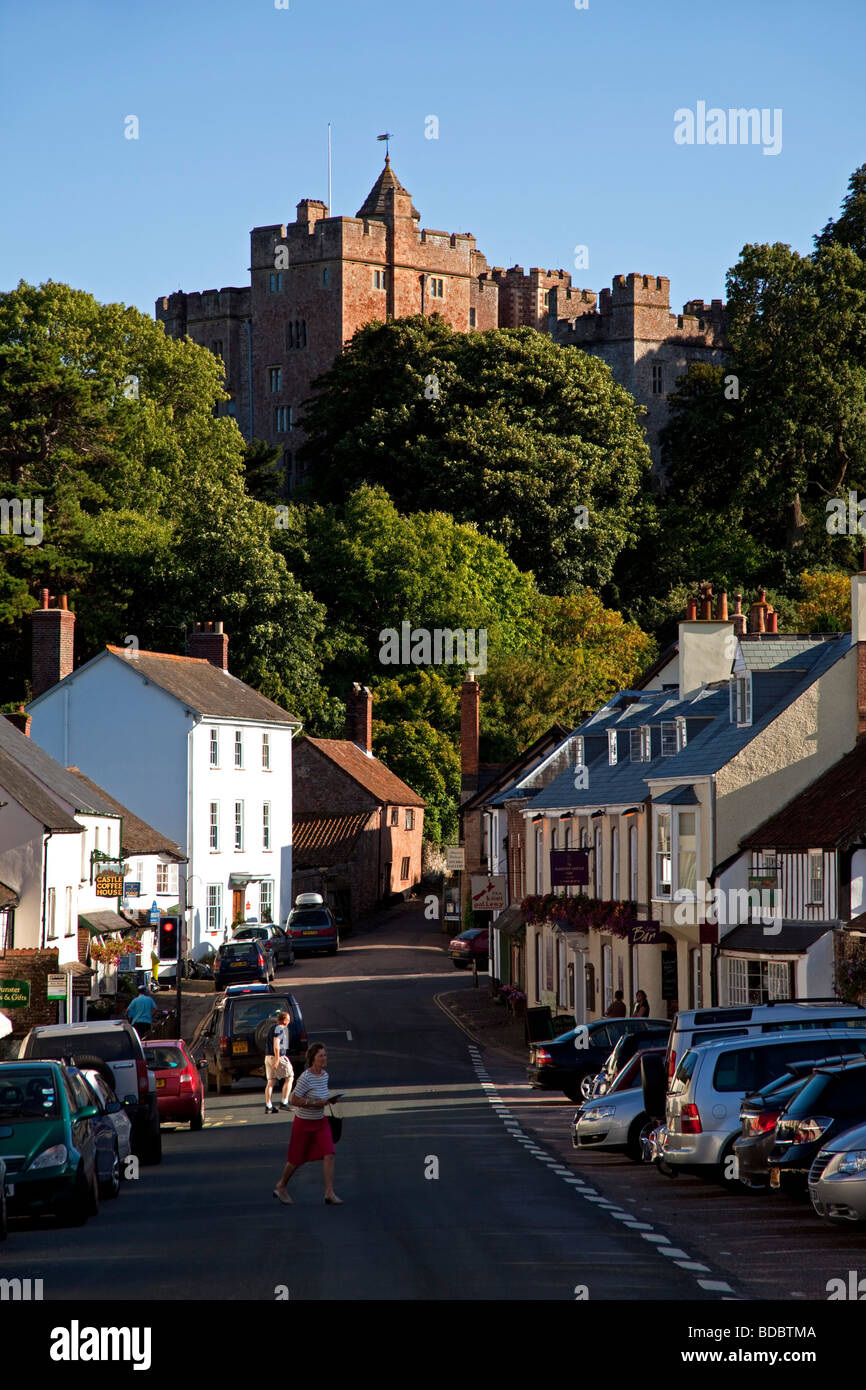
x: 311, y: 1134
x: 277, y: 1064
x: 616, y: 1008
x: 141, y: 1011
x: 641, y: 1005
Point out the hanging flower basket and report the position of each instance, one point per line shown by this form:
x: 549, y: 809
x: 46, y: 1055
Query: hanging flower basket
x: 111, y: 951
x: 581, y: 913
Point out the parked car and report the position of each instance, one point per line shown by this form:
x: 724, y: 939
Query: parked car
x: 712, y: 1081
x: 274, y: 939
x: 241, y: 960
x: 570, y: 1062
x: 113, y: 1132
x: 614, y: 1122
x: 232, y: 1039
x: 179, y: 1089
x: 48, y: 1142
x: 311, y: 925
x: 837, y: 1178
x: 4, y: 1215
x: 730, y: 1021
x: 628, y: 1046
x: 468, y: 946
x: 115, y: 1042
x: 832, y: 1101
x: 758, y: 1115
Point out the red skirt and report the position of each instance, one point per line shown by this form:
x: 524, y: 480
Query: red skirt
x: 310, y: 1139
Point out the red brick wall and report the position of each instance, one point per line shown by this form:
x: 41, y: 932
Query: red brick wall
x: 34, y: 966
x: 320, y: 788
x: 53, y: 640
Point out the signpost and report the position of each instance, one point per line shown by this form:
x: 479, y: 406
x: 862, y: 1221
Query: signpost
x: 154, y: 914
x: 488, y: 892
x: 56, y: 987
x: 14, y: 994
x: 455, y: 857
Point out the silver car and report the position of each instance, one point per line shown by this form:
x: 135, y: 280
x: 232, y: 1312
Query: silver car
x: 702, y: 1112
x: 614, y: 1122
x: 837, y: 1178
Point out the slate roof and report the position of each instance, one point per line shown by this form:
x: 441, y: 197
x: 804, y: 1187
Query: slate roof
x: 712, y: 739
x: 203, y: 687
x: 31, y: 794
x: 794, y: 938
x: 828, y: 814
x: 322, y: 841
x: 53, y: 777
x: 511, y: 773
x: 138, y: 836
x: 369, y: 773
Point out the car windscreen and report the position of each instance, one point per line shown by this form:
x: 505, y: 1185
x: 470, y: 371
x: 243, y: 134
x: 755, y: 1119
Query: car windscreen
x: 164, y: 1058
x: 114, y: 1045
x: 247, y: 1014
x: 252, y: 934
x: 25, y: 1095
x: 310, y: 917
x: 245, y: 950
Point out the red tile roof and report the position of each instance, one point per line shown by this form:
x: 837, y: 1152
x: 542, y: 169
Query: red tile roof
x: 829, y: 814
x: 369, y: 773
x: 322, y: 841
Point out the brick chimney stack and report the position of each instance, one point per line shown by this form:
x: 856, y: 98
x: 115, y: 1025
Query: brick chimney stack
x: 759, y: 612
x: 359, y: 718
x: 208, y: 642
x: 53, y: 640
x: 470, y: 699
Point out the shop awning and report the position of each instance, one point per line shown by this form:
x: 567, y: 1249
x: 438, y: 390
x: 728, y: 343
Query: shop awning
x: 753, y: 938
x: 97, y: 923
x: 510, y: 922
x: 684, y: 795
x: 241, y: 880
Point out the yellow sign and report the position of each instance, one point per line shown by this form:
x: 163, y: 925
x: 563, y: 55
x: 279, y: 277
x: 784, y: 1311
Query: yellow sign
x: 109, y: 885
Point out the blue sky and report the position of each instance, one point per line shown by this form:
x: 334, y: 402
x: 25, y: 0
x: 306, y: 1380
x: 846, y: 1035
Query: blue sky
x: 555, y: 130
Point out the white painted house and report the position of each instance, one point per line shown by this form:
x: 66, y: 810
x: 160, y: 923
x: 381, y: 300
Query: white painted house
x: 190, y: 748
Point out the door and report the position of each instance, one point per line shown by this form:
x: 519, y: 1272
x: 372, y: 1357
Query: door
x: 237, y: 904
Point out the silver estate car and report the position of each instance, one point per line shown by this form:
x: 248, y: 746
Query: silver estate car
x: 702, y: 1111
x: 614, y: 1121
x: 837, y: 1178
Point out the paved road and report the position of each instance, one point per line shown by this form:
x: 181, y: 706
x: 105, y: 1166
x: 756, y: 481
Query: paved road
x: 503, y: 1219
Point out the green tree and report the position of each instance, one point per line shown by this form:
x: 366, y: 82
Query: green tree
x: 516, y: 432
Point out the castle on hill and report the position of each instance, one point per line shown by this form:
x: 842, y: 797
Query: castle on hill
x: 315, y: 281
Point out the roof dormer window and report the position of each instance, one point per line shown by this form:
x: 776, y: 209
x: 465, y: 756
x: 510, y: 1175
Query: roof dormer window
x: 612, y: 750
x: 741, y: 700
x: 639, y: 744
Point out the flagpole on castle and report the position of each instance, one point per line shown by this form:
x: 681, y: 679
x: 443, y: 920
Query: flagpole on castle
x: 387, y: 138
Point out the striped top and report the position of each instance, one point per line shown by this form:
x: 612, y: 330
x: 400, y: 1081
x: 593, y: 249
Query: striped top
x: 311, y: 1085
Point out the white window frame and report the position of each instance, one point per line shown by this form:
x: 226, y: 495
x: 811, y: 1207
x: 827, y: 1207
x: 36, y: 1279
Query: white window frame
x: 539, y: 859
x: 239, y: 749
x: 669, y: 738
x: 266, y: 825
x: 614, y: 863
x: 663, y: 883
x: 214, y: 753
x: 598, y: 860
x: 815, y: 860
x: 70, y: 925
x: 681, y: 888
x: 266, y: 752
x: 633, y: 862
x: 410, y: 820
x: 162, y: 877
x: 740, y: 697
x: 213, y: 838
x: 266, y: 899
x: 612, y: 748
x: 239, y: 827
x: 214, y: 907
x: 682, y: 732
x: 51, y: 915
x: 640, y: 744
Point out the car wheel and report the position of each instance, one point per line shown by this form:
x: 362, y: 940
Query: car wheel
x: 198, y: 1120
x: 110, y: 1188
x: 586, y: 1084
x: 730, y: 1184
x: 633, y: 1148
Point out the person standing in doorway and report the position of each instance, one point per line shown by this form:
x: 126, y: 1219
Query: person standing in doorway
x: 277, y: 1064
x: 311, y: 1133
x: 641, y: 1005
x: 616, y: 1008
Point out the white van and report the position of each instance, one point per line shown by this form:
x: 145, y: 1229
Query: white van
x: 744, y: 1021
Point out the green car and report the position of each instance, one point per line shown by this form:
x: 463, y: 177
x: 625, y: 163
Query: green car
x: 47, y: 1142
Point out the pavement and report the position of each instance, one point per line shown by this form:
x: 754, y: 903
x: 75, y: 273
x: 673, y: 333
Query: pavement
x: 454, y: 1175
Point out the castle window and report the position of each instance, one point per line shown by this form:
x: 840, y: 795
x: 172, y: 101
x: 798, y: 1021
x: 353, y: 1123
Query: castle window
x: 281, y: 419
x: 275, y: 379
x: 379, y: 279
x: 546, y: 299
x: 471, y: 318
x: 325, y: 276
x: 275, y: 283
x: 658, y: 379
x: 437, y: 287
x: 216, y: 347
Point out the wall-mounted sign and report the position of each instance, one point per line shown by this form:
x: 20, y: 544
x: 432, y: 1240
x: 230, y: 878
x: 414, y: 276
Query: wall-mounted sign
x: 56, y: 987
x: 488, y: 892
x: 670, y: 987
x: 14, y: 994
x: 131, y: 889
x: 109, y: 885
x: 568, y: 867
x: 644, y: 934
x: 455, y: 857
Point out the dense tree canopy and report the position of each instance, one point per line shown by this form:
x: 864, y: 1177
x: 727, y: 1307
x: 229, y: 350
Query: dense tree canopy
x: 504, y: 428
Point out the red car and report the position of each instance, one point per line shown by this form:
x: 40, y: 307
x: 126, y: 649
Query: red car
x: 468, y: 946
x: 179, y: 1090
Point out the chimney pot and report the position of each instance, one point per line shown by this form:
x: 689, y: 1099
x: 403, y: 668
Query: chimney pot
x: 52, y: 643
x: 722, y: 607
x: 359, y: 718
x: 691, y: 610
x: 43, y: 598
x: 210, y: 645
x: 772, y: 621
